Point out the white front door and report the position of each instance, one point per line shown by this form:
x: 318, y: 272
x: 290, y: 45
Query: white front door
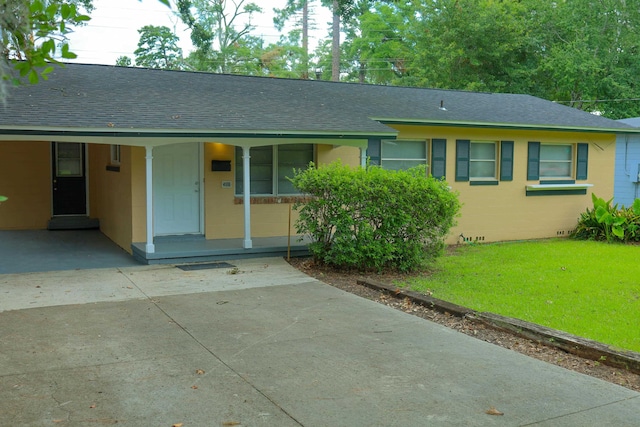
x: 176, y: 189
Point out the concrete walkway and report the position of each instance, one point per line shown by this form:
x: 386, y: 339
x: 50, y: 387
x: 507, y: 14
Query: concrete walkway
x: 266, y: 346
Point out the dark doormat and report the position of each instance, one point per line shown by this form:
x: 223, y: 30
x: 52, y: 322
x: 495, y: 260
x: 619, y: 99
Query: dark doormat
x: 204, y: 266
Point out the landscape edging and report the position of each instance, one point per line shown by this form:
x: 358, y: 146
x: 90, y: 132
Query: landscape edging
x: 572, y: 344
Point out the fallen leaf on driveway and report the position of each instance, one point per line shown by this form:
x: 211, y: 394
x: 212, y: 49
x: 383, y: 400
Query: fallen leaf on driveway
x: 230, y: 423
x: 177, y: 425
x: 199, y: 372
x: 493, y: 411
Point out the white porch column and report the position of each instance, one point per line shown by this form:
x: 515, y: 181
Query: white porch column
x: 363, y: 157
x: 150, y: 247
x: 246, y: 184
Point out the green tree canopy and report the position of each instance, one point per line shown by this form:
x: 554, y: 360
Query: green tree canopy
x: 124, y: 61
x: 214, y: 31
x: 33, y: 33
x: 158, y: 48
x: 580, y: 53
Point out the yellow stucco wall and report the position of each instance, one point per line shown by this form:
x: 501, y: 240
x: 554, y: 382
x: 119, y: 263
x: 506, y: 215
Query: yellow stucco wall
x: 138, y: 194
x: 118, y: 199
x: 489, y: 213
x: 330, y: 153
x: 503, y: 211
x: 224, y: 218
x: 110, y: 193
x: 25, y: 178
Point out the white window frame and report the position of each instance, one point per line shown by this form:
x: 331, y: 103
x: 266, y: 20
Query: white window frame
x: 275, y: 166
x: 478, y: 160
x: 571, y: 161
x: 383, y: 157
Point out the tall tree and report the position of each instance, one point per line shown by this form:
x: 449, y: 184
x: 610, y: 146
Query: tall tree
x: 340, y: 10
x: 158, y: 48
x: 293, y: 8
x: 343, y: 12
x: 335, y: 41
x: 214, y: 32
x: 285, y: 58
x: 376, y: 48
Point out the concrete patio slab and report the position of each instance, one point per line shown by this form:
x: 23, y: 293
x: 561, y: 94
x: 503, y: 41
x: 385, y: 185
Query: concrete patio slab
x: 50, y: 288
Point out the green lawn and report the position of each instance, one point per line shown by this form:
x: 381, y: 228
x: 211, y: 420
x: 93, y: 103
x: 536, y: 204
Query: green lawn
x: 589, y: 289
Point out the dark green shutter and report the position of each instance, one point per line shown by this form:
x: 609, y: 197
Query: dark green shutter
x: 583, y: 161
x: 439, y: 158
x: 373, y: 152
x: 506, y: 161
x: 533, y: 162
x: 462, y: 159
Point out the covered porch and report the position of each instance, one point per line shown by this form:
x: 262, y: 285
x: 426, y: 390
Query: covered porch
x: 32, y: 251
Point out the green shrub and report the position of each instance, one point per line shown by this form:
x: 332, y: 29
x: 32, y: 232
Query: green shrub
x: 374, y: 218
x: 609, y: 223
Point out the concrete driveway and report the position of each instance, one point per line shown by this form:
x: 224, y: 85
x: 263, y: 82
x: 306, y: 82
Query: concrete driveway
x: 261, y: 344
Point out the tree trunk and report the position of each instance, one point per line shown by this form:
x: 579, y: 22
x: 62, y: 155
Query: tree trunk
x: 305, y: 40
x: 335, y: 45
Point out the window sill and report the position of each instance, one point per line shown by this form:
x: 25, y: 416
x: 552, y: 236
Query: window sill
x: 484, y: 182
x: 557, y: 189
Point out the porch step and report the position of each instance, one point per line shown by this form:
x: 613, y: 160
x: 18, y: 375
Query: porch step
x: 179, y: 238
x: 212, y: 256
x: 182, y: 252
x: 74, y: 222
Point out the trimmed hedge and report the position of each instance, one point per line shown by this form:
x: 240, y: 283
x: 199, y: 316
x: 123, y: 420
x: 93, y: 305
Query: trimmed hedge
x: 374, y: 219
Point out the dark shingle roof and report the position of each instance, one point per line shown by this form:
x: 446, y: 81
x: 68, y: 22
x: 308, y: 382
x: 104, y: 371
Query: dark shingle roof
x: 632, y: 121
x: 98, y: 97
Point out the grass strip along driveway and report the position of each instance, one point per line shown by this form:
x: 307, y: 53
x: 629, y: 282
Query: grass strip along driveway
x: 589, y: 289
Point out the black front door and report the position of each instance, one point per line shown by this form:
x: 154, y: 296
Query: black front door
x: 69, y: 179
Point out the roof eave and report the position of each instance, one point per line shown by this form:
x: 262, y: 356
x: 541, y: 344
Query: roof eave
x: 154, y: 137
x: 512, y: 126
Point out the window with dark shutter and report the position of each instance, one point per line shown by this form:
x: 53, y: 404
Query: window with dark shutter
x: 582, y: 161
x: 462, y: 159
x: 373, y: 152
x: 506, y: 161
x: 439, y: 158
x: 533, y: 161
